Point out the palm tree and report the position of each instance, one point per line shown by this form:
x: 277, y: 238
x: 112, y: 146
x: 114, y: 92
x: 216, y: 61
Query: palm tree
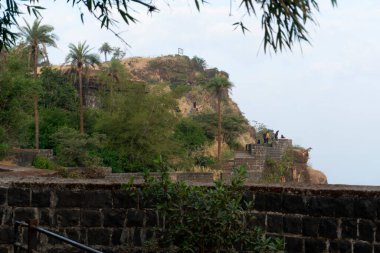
x: 106, y: 49
x: 80, y: 58
x: 37, y: 37
x: 219, y: 86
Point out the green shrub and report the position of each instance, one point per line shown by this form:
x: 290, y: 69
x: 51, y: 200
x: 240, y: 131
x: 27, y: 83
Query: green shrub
x: 203, y: 219
x: 4, y: 150
x: 42, y: 162
x: 204, y: 161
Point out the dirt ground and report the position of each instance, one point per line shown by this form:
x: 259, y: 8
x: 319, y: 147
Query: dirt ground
x: 8, y: 169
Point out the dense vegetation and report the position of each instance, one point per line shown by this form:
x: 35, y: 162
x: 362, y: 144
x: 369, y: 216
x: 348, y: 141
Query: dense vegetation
x: 132, y: 124
x: 203, y: 219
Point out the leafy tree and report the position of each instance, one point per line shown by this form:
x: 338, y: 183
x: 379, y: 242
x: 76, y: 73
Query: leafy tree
x: 16, y: 87
x: 140, y: 127
x: 118, y: 54
x: 219, y: 86
x: 35, y: 36
x: 80, y: 58
x: 199, y: 63
x: 73, y: 148
x: 105, y: 49
x: 284, y: 23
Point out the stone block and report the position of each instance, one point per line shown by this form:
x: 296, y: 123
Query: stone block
x: 328, y: 228
x: 293, y: 204
x: 114, y: 217
x: 376, y: 248
x: 137, y: 240
x: 315, y: 246
x: 117, y: 236
x: 41, y: 198
x: 25, y: 213
x: 45, y: 217
x: 18, y: 197
x: 292, y: 224
x: 365, y: 208
x: 362, y: 247
x: 340, y: 246
x: 3, y: 196
x: 349, y: 228
x: 73, y: 234
x: 321, y: 206
x: 135, y: 218
x: 97, y: 199
x: 90, y: 218
x: 5, y: 249
x: 366, y: 230
x: 99, y: 236
x: 67, y: 217
x: 6, y: 235
x: 67, y: 198
x: 293, y: 245
x: 268, y: 202
x: 274, y: 223
x: 151, y: 218
x: 310, y: 226
x: 344, y: 207
x: 124, y: 199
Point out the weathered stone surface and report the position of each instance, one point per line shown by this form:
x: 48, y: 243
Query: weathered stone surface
x: 68, y: 217
x: 293, y: 204
x: 268, y: 202
x: 67, y: 198
x: 90, y: 218
x: 349, y: 228
x: 315, y: 246
x: 6, y: 235
x: 99, y: 236
x: 366, y: 230
x: 310, y: 226
x: 151, y: 218
x: 99, y: 199
x: 340, y: 246
x: 41, y: 198
x: 18, y: 197
x: 365, y: 208
x: 135, y: 218
x: 113, y: 217
x: 292, y: 224
x: 274, y: 223
x: 25, y: 214
x: 124, y: 199
x: 328, y: 228
x: 3, y: 196
x: 361, y: 247
x: 293, y: 244
x: 321, y: 206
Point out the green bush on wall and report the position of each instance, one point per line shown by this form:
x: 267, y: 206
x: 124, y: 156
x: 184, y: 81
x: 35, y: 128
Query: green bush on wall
x: 42, y: 162
x: 203, y: 219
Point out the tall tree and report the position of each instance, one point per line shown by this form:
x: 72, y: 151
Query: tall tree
x: 37, y: 37
x: 105, y: 49
x: 80, y: 58
x: 219, y: 86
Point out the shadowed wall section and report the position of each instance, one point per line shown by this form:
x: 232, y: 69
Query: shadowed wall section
x: 100, y: 213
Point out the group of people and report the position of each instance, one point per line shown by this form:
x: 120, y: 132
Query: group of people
x: 267, y: 137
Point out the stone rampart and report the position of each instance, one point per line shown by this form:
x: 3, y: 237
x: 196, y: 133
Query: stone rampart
x: 312, y: 219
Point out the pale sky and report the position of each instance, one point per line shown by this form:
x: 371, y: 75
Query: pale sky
x: 325, y: 96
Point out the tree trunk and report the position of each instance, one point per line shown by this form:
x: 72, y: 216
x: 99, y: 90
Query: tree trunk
x: 35, y: 102
x: 81, y: 120
x: 219, y: 128
x: 105, y: 56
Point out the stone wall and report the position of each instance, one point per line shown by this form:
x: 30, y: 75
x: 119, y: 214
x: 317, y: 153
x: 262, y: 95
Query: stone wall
x: 25, y: 157
x: 100, y: 213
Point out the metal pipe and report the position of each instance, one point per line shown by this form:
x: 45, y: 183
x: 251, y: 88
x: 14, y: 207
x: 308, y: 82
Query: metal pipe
x: 59, y: 237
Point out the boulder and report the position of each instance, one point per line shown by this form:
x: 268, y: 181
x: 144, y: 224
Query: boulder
x: 316, y: 176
